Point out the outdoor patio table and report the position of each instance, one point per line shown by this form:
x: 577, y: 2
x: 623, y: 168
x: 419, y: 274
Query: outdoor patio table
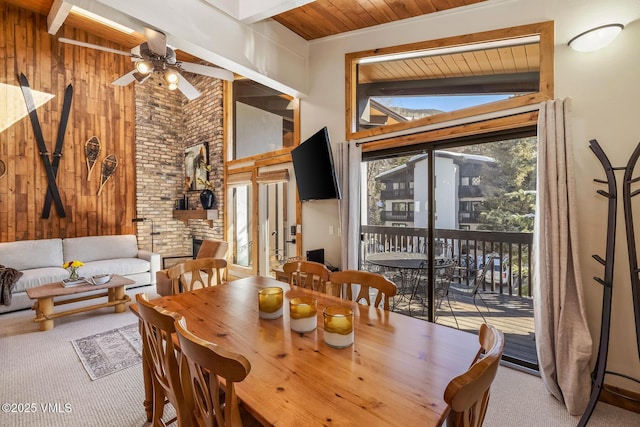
x: 409, y: 266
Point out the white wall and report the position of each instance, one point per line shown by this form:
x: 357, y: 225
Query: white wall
x: 257, y: 131
x: 605, y: 87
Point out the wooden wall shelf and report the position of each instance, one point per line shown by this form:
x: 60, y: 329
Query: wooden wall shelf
x: 185, y: 215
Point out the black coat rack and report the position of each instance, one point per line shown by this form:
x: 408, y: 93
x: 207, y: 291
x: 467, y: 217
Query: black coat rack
x: 600, y: 370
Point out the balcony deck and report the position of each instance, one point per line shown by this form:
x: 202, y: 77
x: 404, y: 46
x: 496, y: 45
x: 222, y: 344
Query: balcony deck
x: 513, y: 315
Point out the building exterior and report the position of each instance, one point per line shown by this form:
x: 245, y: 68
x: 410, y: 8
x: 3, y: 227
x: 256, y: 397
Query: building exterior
x: 459, y: 191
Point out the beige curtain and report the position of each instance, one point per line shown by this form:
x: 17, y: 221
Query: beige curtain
x: 350, y: 158
x: 563, y: 341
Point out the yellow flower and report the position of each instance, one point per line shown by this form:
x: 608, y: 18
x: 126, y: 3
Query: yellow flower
x: 72, y: 264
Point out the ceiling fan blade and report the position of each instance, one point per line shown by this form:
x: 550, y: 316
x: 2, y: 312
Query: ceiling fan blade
x: 156, y: 41
x: 125, y: 79
x: 219, y: 73
x: 95, y: 46
x: 187, y: 88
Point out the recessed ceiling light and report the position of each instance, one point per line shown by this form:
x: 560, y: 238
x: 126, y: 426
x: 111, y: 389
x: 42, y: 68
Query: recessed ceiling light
x: 100, y: 19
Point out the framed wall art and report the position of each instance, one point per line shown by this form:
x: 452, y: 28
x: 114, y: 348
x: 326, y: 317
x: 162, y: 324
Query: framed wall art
x: 196, y: 160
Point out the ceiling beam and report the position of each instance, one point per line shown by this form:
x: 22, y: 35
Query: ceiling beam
x: 252, y: 11
x: 57, y: 15
x: 497, y: 83
x: 265, y: 52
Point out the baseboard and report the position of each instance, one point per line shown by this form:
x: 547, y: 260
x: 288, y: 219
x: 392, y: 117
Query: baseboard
x: 625, y: 399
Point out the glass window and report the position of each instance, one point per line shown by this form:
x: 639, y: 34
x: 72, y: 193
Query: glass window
x: 263, y: 119
x: 242, y: 226
x: 402, y: 87
x: 496, y: 214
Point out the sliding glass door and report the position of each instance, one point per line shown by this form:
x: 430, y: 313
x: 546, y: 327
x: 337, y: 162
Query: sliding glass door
x: 471, y: 204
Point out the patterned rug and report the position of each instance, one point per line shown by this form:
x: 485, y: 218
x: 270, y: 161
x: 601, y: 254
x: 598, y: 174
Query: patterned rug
x: 111, y: 351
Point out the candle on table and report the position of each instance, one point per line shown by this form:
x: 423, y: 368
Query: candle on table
x: 338, y: 326
x: 270, y: 303
x: 302, y: 311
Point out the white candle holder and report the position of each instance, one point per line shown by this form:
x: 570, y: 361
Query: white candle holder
x: 303, y: 314
x: 338, y: 326
x: 270, y: 303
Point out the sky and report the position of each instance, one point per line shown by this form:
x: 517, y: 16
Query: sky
x: 442, y: 103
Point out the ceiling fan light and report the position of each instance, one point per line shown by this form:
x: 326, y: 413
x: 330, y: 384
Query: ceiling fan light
x: 595, y: 38
x: 171, y: 77
x: 144, y: 67
x: 172, y: 86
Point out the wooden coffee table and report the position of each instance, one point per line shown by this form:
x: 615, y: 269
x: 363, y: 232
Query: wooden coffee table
x: 46, y: 293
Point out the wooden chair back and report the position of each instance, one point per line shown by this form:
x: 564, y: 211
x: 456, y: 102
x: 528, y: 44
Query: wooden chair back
x: 346, y: 280
x: 307, y: 274
x: 468, y: 394
x: 213, y: 248
x: 191, y: 274
x: 202, y: 366
x: 157, y: 329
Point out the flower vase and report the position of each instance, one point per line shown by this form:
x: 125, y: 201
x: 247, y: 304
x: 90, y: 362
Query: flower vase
x: 73, y: 274
x: 207, y: 198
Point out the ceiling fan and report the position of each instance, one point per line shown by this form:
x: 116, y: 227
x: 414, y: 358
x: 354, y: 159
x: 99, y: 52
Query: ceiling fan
x: 155, y: 55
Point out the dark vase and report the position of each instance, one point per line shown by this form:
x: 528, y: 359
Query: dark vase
x: 207, y: 198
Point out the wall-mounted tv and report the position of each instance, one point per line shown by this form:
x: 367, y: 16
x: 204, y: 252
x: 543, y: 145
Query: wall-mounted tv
x: 314, y: 170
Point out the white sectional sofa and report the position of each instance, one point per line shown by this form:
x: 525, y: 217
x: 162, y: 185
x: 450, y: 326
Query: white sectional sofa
x: 41, y: 261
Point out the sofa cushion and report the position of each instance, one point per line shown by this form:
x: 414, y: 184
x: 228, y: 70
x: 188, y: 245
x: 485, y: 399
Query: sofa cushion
x: 121, y: 266
x: 40, y: 276
x: 94, y: 248
x: 27, y: 254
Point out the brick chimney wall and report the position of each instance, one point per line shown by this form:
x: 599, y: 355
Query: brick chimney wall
x: 167, y: 123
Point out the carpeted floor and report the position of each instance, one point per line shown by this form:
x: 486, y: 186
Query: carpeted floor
x: 42, y: 369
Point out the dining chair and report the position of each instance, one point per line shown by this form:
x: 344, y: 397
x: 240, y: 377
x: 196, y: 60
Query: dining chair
x: 468, y: 394
x: 203, y: 364
x: 209, y: 248
x: 192, y: 274
x: 347, y: 279
x: 472, y: 288
x: 157, y: 329
x: 307, y: 274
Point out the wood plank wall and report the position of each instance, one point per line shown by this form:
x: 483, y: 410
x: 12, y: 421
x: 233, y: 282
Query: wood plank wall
x: 98, y: 108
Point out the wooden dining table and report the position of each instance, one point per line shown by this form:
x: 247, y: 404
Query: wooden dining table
x: 394, y: 374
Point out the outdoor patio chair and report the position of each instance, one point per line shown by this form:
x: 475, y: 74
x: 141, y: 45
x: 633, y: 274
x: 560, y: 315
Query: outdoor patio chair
x: 366, y: 280
x: 307, y: 274
x: 472, y: 288
x: 442, y: 284
x: 468, y: 394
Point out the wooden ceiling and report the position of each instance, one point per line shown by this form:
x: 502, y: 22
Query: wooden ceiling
x: 518, y: 59
x: 314, y: 20
x: 322, y: 18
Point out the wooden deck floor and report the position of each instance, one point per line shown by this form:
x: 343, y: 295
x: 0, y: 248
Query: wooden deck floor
x: 512, y: 315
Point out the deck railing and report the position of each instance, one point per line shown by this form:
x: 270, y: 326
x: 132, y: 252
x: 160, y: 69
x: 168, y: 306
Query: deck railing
x: 511, y: 273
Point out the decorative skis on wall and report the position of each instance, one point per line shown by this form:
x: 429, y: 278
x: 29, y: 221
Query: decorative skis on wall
x: 91, y: 151
x: 51, y: 167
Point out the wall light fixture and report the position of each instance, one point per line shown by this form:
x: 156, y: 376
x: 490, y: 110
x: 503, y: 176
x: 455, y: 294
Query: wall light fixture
x: 595, y: 38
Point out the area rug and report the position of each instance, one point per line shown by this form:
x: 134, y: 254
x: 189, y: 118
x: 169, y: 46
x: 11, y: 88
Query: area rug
x: 111, y: 351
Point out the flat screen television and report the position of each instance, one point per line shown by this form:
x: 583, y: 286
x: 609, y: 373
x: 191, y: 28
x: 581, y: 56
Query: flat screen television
x: 314, y: 169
